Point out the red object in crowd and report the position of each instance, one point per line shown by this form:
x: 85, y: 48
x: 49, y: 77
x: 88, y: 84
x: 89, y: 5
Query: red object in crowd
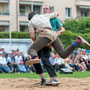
x: 21, y: 62
x: 84, y: 53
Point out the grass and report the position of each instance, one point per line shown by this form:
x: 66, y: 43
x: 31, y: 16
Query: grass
x: 35, y: 76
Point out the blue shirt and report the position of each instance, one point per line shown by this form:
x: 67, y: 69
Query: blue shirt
x: 22, y: 67
x: 55, y: 23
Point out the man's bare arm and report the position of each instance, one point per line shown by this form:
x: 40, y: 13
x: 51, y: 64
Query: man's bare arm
x: 62, y: 30
x: 52, y: 15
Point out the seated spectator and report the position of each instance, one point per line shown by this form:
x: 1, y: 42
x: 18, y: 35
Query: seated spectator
x: 76, y: 63
x: 3, y: 50
x: 67, y: 64
x: 3, y: 64
x: 14, y: 64
x: 18, y: 58
x: 9, y: 60
x: 21, y: 54
x: 70, y: 62
x: 59, y: 62
x: 22, y: 67
x: 85, y: 57
x: 82, y: 62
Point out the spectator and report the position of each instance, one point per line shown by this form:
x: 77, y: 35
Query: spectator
x: 88, y: 62
x: 9, y: 60
x: 18, y: 58
x: 82, y: 62
x: 85, y: 56
x: 22, y: 55
x: 14, y: 65
x: 52, y: 59
x: 76, y: 63
x: 3, y: 64
x: 22, y: 67
x: 70, y: 61
x: 30, y: 67
x: 59, y: 62
x: 3, y: 50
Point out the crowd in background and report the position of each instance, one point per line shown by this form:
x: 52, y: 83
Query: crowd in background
x: 78, y: 61
x: 14, y: 61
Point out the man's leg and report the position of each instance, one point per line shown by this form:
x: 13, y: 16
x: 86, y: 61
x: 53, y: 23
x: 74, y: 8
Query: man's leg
x: 6, y: 69
x: 50, y: 70
x: 64, y: 53
x: 42, y: 42
x: 39, y: 71
x: 37, y: 46
x: 45, y: 54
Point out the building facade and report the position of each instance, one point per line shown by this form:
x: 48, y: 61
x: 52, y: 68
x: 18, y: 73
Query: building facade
x: 13, y: 13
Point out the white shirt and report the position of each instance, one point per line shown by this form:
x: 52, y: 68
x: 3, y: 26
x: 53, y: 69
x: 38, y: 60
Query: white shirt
x: 52, y: 60
x: 9, y: 59
x: 59, y: 61
x: 18, y: 59
x: 85, y: 57
x: 41, y: 21
x: 3, y: 60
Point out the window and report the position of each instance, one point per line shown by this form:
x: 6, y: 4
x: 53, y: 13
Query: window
x: 4, y: 28
x: 7, y: 8
x: 84, y: 13
x: 4, y: 9
x: 22, y: 10
x: 23, y: 28
x: 68, y: 12
x: 37, y: 9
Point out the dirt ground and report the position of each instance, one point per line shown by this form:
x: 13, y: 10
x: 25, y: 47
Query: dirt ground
x: 34, y: 84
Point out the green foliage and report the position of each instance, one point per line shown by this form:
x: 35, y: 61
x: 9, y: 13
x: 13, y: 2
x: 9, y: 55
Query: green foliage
x: 4, y: 34
x: 18, y: 35
x: 82, y: 25
x: 71, y: 24
x: 87, y: 20
x: 75, y: 28
x: 69, y: 37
